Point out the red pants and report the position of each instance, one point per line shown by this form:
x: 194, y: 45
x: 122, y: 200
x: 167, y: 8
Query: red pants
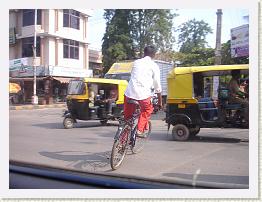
x: 146, y: 111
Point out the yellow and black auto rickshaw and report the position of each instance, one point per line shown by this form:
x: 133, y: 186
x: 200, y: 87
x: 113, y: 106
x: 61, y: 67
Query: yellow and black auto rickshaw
x: 198, y: 97
x: 89, y: 99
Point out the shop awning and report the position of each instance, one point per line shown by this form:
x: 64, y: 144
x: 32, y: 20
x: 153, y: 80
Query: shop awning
x: 26, y: 78
x: 14, y: 88
x: 62, y: 79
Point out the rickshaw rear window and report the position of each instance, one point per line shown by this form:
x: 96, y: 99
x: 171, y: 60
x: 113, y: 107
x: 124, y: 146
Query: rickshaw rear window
x: 76, y: 88
x: 121, y: 76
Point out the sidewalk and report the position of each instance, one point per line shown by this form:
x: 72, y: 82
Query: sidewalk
x: 31, y: 106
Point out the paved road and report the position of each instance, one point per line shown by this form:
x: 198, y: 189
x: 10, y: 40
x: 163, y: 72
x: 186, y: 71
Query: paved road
x: 215, y: 155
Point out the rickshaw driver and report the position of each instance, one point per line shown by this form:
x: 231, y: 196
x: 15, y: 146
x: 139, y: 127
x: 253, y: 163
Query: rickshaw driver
x: 113, y: 95
x: 145, y: 74
x: 236, y: 95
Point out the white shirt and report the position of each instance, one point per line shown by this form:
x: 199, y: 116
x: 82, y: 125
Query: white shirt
x: 145, y: 74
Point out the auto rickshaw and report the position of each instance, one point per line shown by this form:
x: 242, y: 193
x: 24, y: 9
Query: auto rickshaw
x: 188, y: 110
x: 88, y: 99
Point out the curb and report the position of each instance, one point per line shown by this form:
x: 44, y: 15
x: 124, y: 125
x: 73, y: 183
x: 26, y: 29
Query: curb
x: 37, y: 106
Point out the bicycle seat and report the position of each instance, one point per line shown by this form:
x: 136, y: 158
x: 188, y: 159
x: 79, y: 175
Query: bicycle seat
x: 133, y: 102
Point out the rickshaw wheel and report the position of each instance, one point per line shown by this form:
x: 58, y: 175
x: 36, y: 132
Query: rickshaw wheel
x: 68, y: 123
x: 104, y: 122
x: 194, y: 131
x: 180, y: 132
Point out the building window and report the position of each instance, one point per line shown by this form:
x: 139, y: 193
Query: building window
x: 71, y: 18
x: 29, y: 17
x: 71, y: 49
x: 27, y: 47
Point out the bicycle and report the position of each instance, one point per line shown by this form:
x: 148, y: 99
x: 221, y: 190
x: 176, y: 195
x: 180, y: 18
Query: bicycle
x: 126, y: 137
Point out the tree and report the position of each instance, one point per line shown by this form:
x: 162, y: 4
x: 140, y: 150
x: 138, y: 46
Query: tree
x: 193, y: 45
x: 129, y: 31
x: 226, y: 55
x: 193, y: 35
x: 197, y: 57
x: 152, y: 26
x: 117, y: 42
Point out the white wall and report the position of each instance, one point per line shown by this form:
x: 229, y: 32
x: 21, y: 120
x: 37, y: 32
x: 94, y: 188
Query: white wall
x: 51, y: 21
x: 12, y: 52
x: 46, y: 51
x: 51, y: 52
x: 66, y: 32
x: 49, y: 49
x: 28, y: 31
x: 12, y: 19
x: 65, y: 62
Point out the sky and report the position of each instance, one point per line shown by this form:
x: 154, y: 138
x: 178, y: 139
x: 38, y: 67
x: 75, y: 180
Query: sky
x: 231, y: 18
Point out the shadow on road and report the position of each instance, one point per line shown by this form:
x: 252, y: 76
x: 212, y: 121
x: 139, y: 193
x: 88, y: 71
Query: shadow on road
x: 211, y: 178
x: 156, y: 136
x: 77, y: 125
x: 204, y: 139
x: 80, y: 160
x: 215, y: 139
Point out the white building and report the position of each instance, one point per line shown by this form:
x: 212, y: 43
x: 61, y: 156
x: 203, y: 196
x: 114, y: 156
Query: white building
x: 61, y: 50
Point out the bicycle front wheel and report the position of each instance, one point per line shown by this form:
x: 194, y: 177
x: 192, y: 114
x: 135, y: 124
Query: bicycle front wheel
x: 140, y: 142
x: 119, y: 148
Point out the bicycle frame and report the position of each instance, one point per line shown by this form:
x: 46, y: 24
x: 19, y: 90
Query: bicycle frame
x: 132, y: 122
x: 126, y: 138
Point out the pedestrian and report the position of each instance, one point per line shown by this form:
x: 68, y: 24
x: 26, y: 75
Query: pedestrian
x: 145, y: 74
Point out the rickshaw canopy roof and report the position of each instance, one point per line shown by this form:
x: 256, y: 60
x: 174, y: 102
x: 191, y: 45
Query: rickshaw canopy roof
x: 214, y: 68
x: 106, y: 81
x: 180, y: 79
x: 121, y: 67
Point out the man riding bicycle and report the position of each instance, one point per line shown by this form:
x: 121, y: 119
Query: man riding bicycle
x: 145, y: 74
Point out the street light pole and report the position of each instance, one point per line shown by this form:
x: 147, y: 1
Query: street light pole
x: 35, y: 98
x: 218, y: 38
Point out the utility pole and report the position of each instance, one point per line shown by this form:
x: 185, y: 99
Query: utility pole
x: 35, y: 98
x: 218, y: 38
x: 217, y: 52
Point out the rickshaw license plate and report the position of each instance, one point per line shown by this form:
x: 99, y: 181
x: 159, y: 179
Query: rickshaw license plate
x: 181, y: 106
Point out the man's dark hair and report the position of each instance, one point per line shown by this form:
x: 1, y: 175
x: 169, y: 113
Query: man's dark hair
x: 235, y: 72
x: 150, y: 51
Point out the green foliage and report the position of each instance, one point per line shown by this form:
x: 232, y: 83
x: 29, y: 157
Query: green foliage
x: 192, y: 41
x: 129, y: 31
x: 152, y: 26
x: 117, y: 42
x: 197, y: 57
x: 193, y: 35
x: 226, y: 56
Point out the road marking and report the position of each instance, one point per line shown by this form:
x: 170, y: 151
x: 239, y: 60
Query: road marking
x: 195, y: 177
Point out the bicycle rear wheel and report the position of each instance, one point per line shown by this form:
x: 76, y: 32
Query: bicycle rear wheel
x: 119, y: 148
x: 140, y: 142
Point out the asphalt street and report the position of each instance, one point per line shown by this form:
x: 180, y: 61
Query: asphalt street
x: 214, y: 156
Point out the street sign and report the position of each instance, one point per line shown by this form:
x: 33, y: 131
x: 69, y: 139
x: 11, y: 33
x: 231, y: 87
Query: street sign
x: 240, y: 41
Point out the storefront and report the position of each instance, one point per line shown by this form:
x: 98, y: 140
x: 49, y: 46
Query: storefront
x: 51, y: 82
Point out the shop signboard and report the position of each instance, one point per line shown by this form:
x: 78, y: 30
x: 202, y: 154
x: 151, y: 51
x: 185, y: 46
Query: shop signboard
x: 22, y: 67
x: 16, y: 64
x: 69, y: 72
x: 240, y: 41
x: 12, y: 36
x: 28, y: 71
